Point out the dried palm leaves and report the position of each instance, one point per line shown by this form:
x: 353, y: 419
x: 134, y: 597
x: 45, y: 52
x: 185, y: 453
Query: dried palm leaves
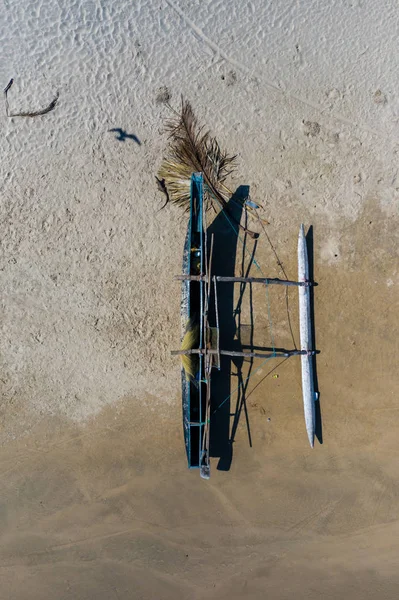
x: 192, y: 150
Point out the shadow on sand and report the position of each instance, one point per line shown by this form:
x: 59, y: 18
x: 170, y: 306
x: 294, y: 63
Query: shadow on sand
x: 309, y: 244
x: 122, y: 135
x: 223, y: 263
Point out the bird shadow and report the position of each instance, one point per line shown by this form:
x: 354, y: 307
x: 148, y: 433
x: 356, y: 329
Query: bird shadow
x: 122, y: 135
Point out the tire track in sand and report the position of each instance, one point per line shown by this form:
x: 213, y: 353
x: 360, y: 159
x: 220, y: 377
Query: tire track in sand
x: 276, y: 88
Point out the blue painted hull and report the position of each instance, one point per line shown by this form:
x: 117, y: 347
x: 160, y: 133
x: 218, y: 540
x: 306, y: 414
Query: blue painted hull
x: 192, y: 306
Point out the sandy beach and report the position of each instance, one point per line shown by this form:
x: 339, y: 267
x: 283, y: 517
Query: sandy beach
x: 96, y: 501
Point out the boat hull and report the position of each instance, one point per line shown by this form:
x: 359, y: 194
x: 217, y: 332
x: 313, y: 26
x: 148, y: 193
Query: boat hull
x: 192, y: 303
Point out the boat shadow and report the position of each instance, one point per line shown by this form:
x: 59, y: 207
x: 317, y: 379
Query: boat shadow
x: 223, y: 409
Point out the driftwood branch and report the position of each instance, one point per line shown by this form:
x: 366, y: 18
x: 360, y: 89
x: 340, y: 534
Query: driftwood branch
x: 35, y: 113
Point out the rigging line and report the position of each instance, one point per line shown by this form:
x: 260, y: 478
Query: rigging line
x: 267, y: 375
x: 241, y: 396
x: 280, y: 264
x: 237, y: 309
x: 253, y: 260
x: 268, y: 307
x: 287, y: 304
x: 240, y: 404
x: 235, y: 231
x: 270, y: 317
x: 241, y: 384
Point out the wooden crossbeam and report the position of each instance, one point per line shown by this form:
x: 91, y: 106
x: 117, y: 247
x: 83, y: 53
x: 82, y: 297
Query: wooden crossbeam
x: 243, y: 354
x: 264, y: 280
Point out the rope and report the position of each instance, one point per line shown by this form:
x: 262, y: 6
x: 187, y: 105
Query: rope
x: 253, y: 260
x: 270, y: 318
x: 239, y: 237
x: 241, y: 384
x: 280, y: 265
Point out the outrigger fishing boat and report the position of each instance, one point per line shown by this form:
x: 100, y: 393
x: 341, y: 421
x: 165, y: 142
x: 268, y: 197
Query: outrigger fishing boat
x: 200, y: 351
x: 193, y: 175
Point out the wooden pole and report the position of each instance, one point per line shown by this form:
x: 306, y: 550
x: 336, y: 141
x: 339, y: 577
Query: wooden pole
x: 243, y: 354
x: 264, y: 280
x: 217, y: 325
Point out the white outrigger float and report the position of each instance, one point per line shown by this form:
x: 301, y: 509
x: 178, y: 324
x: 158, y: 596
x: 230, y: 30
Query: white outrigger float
x: 305, y: 332
x: 200, y: 351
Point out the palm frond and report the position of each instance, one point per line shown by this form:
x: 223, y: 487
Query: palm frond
x: 191, y: 149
